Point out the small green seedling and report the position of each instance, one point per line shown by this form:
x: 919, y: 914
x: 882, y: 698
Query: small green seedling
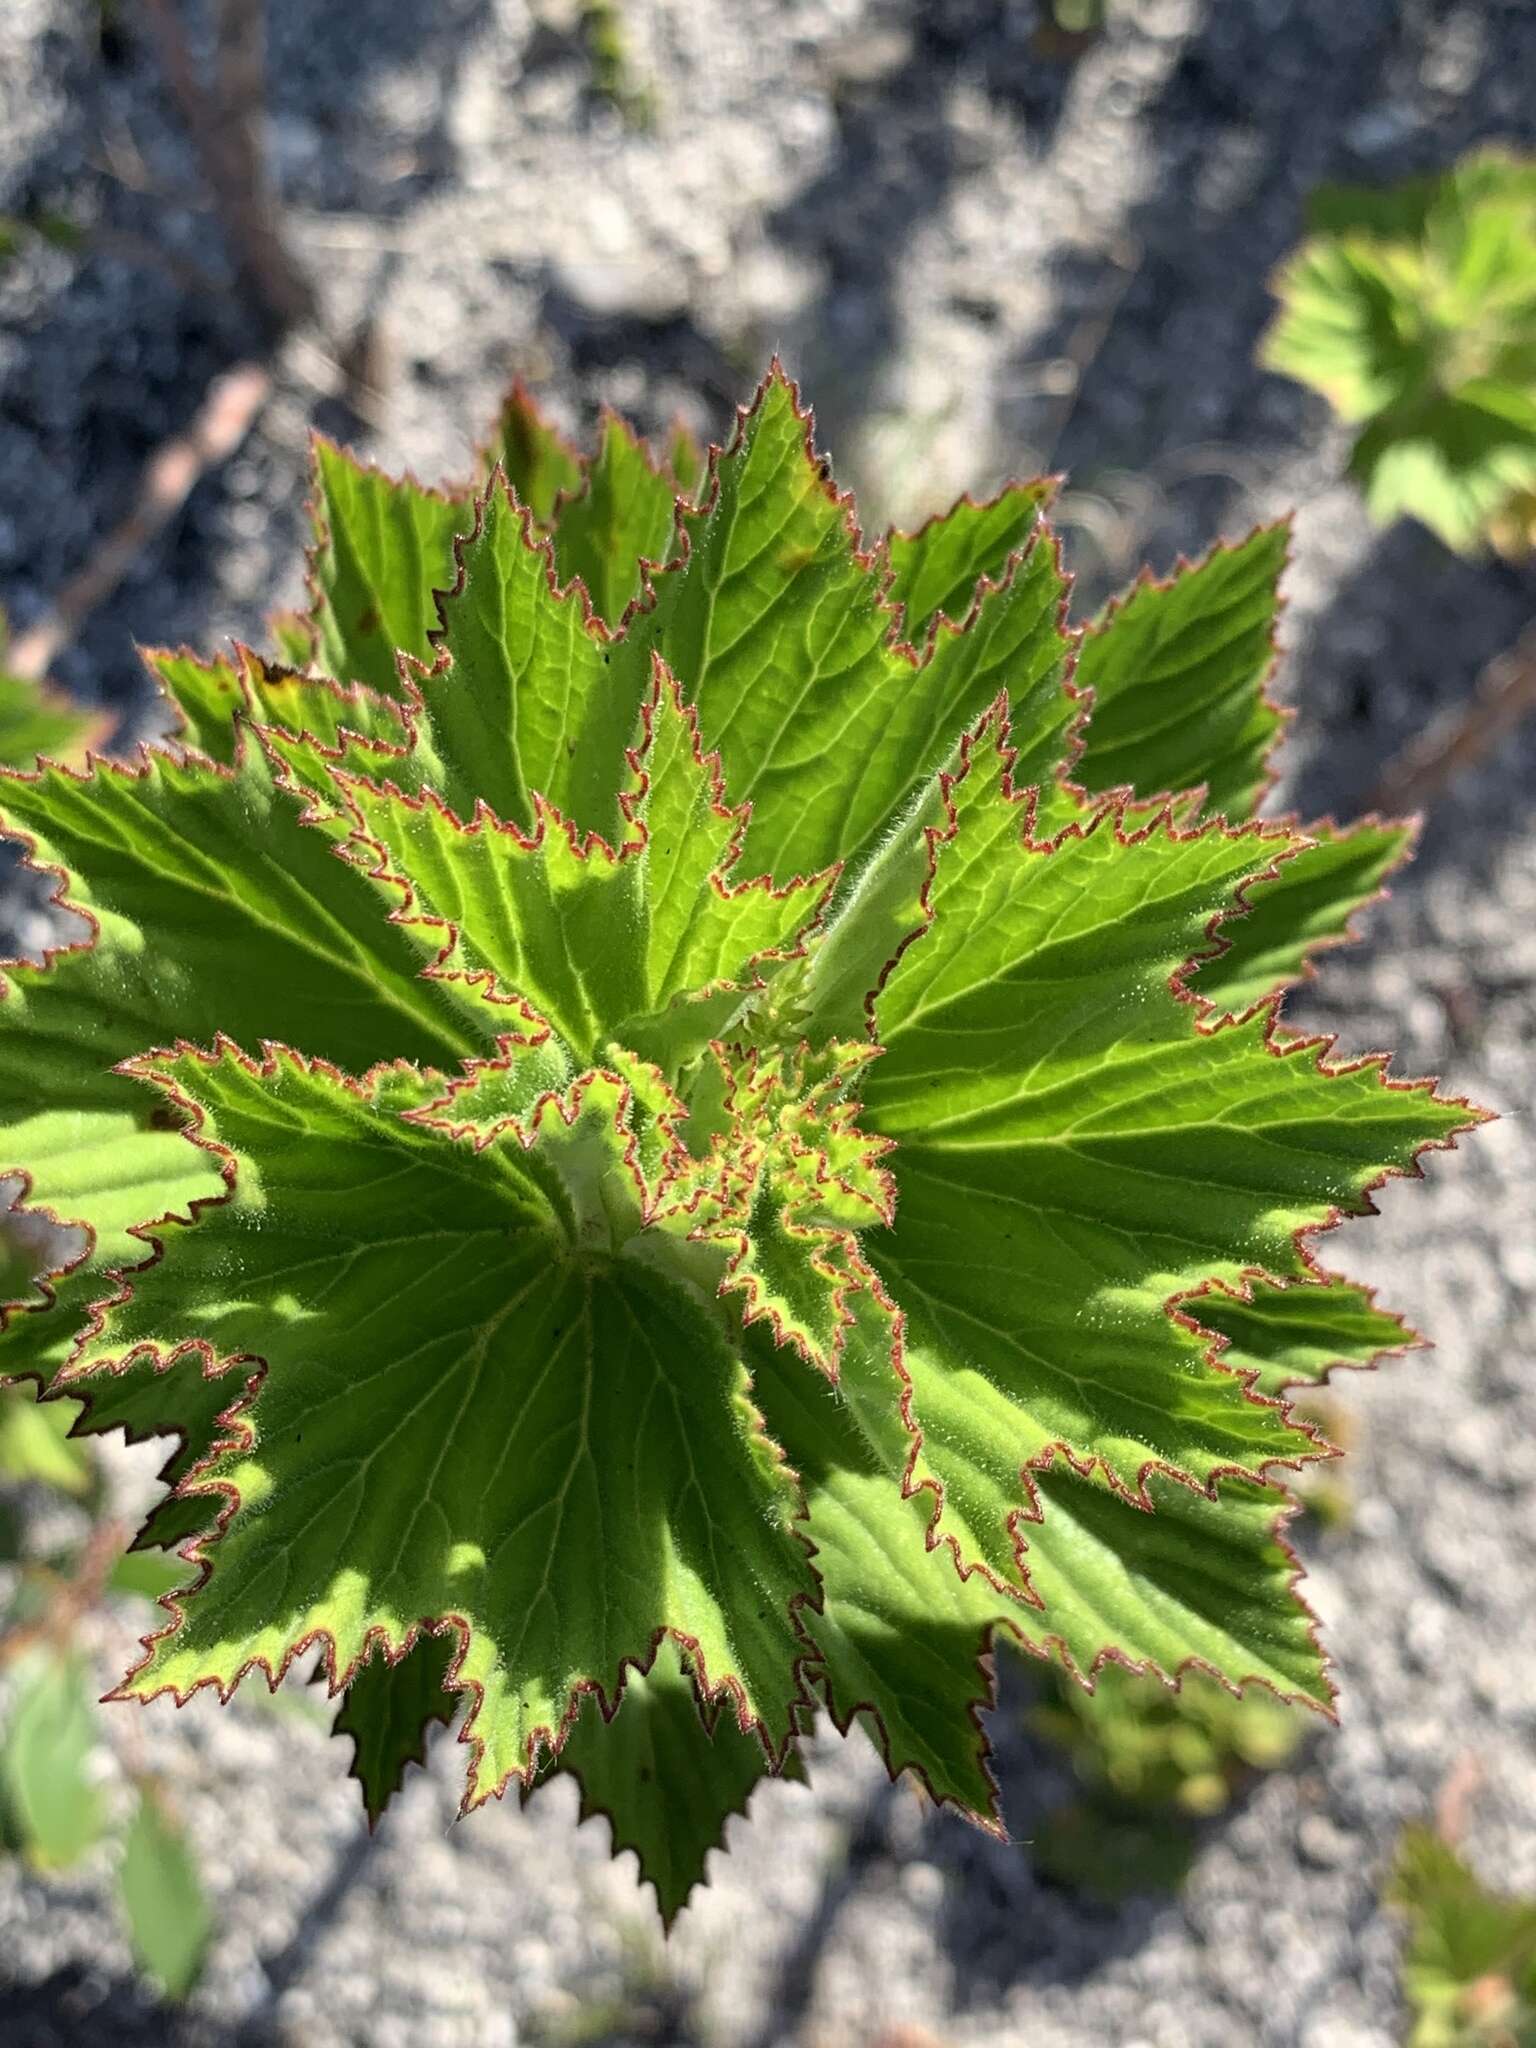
x: 1470, y: 1968
x: 55, y: 1805
x: 1152, y: 1765
x: 1413, y: 310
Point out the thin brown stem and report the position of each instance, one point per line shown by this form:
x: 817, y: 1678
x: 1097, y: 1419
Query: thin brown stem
x: 70, y: 1597
x: 224, y: 126
x: 224, y: 419
x: 1505, y: 693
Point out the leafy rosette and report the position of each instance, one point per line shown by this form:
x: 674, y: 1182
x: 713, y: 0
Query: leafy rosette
x: 1412, y: 308
x: 685, y: 1123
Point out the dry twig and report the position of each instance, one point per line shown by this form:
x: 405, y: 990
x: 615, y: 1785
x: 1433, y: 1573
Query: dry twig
x: 225, y: 418
x: 1505, y: 692
x: 224, y: 124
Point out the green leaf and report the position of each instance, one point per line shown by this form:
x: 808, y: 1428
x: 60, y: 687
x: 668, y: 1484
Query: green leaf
x: 1413, y: 310
x: 1014, y: 641
x: 205, y: 696
x: 776, y: 628
x: 936, y: 570
x: 1178, y: 673
x: 494, y: 1291
x: 1073, y: 1153
x: 1454, y: 463
x: 525, y: 696
x: 788, y: 1182
x: 35, y: 1443
x: 146, y: 1398
x: 904, y: 1638
x: 651, y: 944
x: 146, y: 1576
x: 605, y: 1271
x: 664, y: 1774
x: 1288, y: 1333
x: 169, y: 1920
x: 1190, y: 1580
x: 383, y: 548
x: 387, y: 1710
x: 1470, y: 1970
x: 209, y: 694
x: 900, y: 1636
x: 53, y: 1803
x: 35, y: 720
x: 213, y: 907
x: 685, y: 459
x: 621, y: 518
x: 537, y: 460
x: 1293, y: 915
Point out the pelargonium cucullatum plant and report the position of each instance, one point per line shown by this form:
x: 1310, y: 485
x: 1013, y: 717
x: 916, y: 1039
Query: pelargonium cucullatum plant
x: 1412, y: 308
x: 687, y: 1125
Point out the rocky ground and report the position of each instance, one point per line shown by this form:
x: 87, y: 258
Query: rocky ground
x: 979, y: 262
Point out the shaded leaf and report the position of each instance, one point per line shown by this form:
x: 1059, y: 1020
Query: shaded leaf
x: 54, y: 1804
x: 653, y: 944
x: 146, y: 1576
x: 1069, y: 1147
x: 524, y: 696
x: 388, y: 1709
x: 1288, y: 1334
x: 775, y: 626
x: 214, y: 907
x: 665, y: 1778
x: 490, y: 1287
x: 169, y: 1919
x: 382, y: 548
x: 537, y: 460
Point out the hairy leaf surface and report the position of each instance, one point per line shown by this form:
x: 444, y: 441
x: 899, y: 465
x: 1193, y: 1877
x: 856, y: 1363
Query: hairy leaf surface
x: 936, y: 570
x: 1177, y: 672
x: 382, y: 549
x: 776, y: 627
x: 523, y: 1381
x: 652, y: 944
x: 1291, y: 916
x: 1041, y: 1079
x: 211, y: 906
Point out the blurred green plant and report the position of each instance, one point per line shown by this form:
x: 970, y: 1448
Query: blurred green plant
x: 1152, y: 1763
x: 1413, y: 310
x: 57, y: 230
x: 57, y: 1799
x: 1067, y: 28
x: 614, y: 76
x: 1078, y: 17
x: 35, y: 719
x: 1469, y: 1974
